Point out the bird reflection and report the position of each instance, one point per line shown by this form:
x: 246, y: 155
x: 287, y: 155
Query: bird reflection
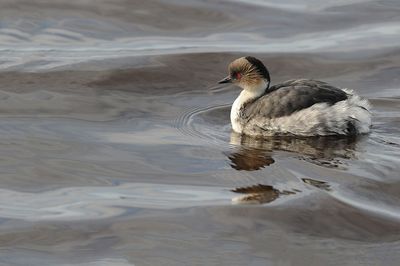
x: 255, y: 153
x: 252, y: 154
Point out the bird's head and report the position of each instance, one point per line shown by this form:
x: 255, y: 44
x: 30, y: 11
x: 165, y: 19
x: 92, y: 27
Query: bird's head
x: 249, y: 73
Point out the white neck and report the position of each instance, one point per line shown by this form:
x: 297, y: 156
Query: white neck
x: 246, y: 95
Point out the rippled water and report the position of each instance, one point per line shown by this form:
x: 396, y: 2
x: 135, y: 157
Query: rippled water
x: 116, y: 147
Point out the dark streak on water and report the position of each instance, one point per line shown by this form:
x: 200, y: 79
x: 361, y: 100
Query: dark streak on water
x: 114, y: 150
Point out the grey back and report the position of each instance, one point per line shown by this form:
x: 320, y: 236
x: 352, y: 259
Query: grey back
x: 293, y: 95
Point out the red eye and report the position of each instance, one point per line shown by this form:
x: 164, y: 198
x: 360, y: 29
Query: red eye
x: 238, y: 76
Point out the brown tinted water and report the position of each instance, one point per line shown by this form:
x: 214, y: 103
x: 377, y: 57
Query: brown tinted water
x: 114, y: 150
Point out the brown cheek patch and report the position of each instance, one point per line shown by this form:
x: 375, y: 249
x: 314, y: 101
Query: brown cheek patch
x: 251, y: 80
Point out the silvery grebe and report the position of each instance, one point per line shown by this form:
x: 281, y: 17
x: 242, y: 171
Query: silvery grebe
x: 300, y: 107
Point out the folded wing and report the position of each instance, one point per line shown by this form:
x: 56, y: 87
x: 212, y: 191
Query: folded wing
x: 291, y: 96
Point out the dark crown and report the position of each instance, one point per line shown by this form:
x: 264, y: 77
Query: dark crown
x: 259, y: 66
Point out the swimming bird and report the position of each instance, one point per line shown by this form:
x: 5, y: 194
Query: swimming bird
x: 302, y: 107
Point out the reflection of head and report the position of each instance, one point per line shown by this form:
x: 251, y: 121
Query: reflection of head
x: 258, y: 194
x: 249, y: 159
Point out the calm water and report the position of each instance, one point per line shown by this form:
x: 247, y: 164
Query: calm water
x: 114, y: 150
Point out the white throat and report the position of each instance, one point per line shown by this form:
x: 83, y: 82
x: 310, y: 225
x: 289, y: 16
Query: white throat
x: 247, y: 94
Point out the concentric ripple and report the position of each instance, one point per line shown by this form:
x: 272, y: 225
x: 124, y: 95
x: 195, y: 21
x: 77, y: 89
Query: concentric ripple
x: 208, y: 124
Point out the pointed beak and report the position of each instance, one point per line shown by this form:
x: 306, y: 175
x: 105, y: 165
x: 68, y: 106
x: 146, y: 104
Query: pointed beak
x: 225, y: 80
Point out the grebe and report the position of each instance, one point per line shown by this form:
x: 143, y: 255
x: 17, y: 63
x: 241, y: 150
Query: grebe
x: 300, y: 107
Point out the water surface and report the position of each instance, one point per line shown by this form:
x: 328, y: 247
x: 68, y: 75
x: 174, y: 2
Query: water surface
x: 114, y: 150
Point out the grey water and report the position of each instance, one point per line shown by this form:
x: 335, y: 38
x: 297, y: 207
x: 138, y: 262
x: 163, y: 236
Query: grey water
x: 116, y: 146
